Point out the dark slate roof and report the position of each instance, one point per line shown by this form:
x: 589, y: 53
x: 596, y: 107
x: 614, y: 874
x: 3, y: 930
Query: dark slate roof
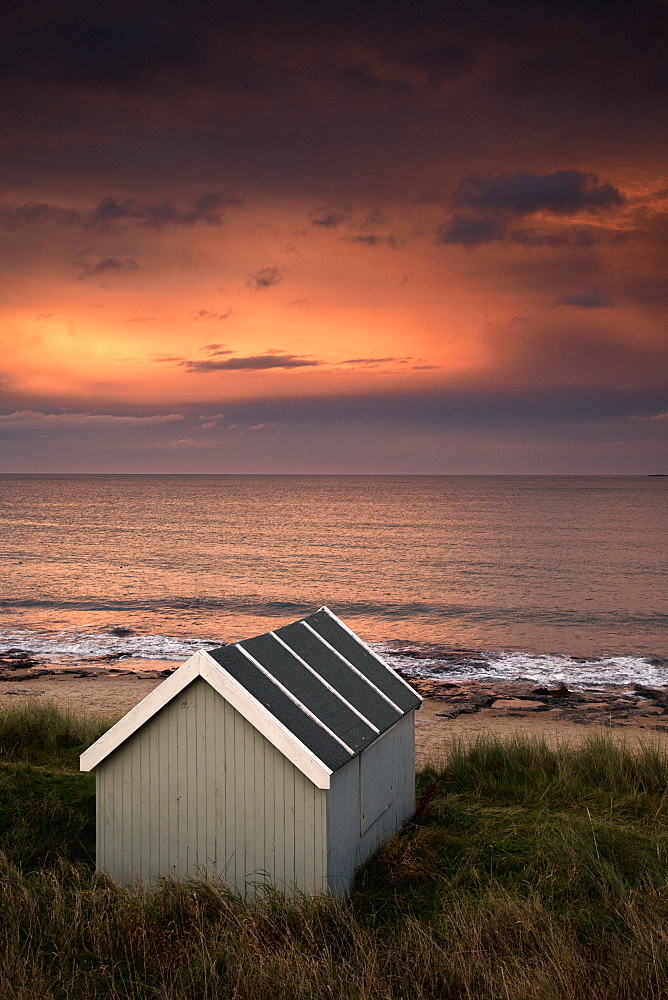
x: 322, y: 683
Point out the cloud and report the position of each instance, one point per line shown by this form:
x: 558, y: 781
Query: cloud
x: 490, y: 203
x: 109, y: 265
x: 266, y: 277
x: 38, y: 214
x: 573, y: 236
x: 206, y: 209
x: 102, y: 48
x: 520, y: 193
x: 215, y: 350
x: 210, y: 314
x: 653, y: 416
x: 470, y: 231
x: 455, y: 408
x: 258, y: 362
x: 596, y: 298
x: 373, y: 240
x: 369, y: 361
x: 331, y: 218
x: 40, y: 422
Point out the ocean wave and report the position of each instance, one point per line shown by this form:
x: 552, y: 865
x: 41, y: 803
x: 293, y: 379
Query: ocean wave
x: 577, y: 672
x: 427, y: 660
x: 68, y: 646
x: 392, y: 611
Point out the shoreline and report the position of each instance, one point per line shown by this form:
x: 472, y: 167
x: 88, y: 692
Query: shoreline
x: 450, y: 710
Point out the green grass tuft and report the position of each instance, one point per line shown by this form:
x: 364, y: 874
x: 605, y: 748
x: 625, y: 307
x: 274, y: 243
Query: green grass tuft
x: 42, y: 733
x: 530, y: 873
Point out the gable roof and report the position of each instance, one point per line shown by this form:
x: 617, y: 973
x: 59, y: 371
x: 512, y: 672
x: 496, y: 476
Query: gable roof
x: 316, y: 691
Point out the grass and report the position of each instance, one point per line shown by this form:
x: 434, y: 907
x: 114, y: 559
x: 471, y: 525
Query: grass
x: 532, y: 873
x: 47, y: 808
x: 42, y: 733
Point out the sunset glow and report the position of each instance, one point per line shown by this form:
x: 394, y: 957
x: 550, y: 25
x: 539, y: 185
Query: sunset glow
x: 335, y: 244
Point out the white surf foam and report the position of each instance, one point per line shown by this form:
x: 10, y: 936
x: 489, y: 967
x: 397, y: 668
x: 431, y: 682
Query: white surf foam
x: 545, y: 669
x: 65, y: 647
x: 68, y: 647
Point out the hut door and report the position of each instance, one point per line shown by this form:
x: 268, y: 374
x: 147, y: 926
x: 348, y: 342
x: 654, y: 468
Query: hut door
x: 377, y: 780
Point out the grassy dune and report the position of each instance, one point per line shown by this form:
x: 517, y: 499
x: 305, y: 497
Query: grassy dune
x: 530, y: 874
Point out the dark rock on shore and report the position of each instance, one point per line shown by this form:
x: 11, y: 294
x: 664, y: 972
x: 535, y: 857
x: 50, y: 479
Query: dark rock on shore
x: 109, y: 657
x: 17, y: 659
x: 608, y: 706
x: 654, y: 694
x: 560, y: 692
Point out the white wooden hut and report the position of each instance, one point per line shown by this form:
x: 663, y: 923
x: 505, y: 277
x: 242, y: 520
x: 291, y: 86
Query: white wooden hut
x: 286, y: 759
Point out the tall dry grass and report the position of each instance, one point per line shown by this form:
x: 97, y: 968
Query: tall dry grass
x: 69, y: 934
x: 533, y: 873
x: 41, y: 732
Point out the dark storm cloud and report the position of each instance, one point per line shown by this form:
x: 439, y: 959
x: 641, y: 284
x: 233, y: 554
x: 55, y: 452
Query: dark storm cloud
x: 258, y: 362
x: 237, y: 48
x: 458, y: 409
x: 493, y: 202
x: 470, y: 231
x: 123, y: 51
x: 341, y: 99
x: 519, y: 193
x: 455, y: 409
x: 595, y: 298
x: 266, y: 277
x: 99, y: 47
x: 109, y: 265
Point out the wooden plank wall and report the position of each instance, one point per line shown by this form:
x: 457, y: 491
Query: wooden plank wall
x: 197, y: 790
x: 347, y: 848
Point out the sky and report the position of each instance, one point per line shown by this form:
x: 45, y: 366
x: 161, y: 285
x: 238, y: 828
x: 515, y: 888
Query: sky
x: 344, y: 238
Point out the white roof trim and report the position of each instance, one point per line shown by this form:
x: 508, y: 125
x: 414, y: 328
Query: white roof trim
x: 203, y: 665
x: 370, y: 650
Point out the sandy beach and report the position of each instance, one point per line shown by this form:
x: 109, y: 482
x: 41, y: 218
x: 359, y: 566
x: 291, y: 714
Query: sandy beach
x: 448, y: 711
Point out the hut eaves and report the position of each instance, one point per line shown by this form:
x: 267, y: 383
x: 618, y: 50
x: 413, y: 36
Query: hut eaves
x: 313, y: 688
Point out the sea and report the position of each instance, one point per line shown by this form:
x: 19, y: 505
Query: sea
x: 491, y: 578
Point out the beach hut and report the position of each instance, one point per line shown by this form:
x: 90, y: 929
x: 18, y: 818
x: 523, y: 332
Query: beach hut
x: 282, y: 760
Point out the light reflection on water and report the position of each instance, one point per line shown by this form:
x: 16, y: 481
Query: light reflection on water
x: 540, y: 564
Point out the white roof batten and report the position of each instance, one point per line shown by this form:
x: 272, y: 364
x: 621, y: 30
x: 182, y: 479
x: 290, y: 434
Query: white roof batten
x: 324, y: 682
x: 293, y: 699
x: 370, y: 650
x: 354, y: 668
